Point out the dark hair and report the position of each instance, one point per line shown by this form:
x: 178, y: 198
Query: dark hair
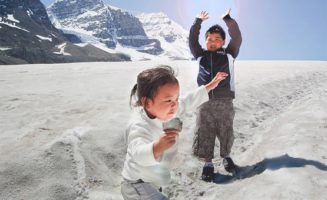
x: 149, y: 81
x: 216, y: 29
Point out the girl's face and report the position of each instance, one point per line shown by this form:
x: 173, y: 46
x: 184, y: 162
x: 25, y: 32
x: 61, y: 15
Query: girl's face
x: 165, y: 104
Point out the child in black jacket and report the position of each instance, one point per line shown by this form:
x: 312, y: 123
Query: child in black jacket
x: 215, y: 117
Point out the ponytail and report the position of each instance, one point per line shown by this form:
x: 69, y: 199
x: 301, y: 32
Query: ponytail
x: 132, y: 94
x: 148, y: 83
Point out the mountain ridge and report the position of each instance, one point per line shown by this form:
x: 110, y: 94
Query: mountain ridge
x: 117, y: 30
x: 28, y: 36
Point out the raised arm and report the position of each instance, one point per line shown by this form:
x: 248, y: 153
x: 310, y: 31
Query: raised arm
x: 195, y: 98
x: 236, y: 38
x: 194, y: 44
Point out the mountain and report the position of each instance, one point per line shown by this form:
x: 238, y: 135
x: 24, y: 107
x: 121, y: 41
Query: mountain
x: 116, y: 30
x: 94, y: 22
x: 172, y: 36
x: 28, y: 36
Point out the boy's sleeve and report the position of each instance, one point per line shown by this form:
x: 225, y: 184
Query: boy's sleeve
x: 140, y: 147
x: 194, y: 44
x: 193, y: 100
x: 235, y: 34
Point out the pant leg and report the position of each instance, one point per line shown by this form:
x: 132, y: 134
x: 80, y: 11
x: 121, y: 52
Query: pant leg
x: 225, y: 132
x: 140, y: 191
x: 205, y: 134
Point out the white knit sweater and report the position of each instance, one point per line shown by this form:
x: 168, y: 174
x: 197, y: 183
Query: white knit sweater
x: 141, y: 134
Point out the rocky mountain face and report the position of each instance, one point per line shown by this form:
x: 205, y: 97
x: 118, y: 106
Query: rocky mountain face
x: 172, y: 36
x: 31, y: 34
x: 28, y: 36
x: 110, y: 26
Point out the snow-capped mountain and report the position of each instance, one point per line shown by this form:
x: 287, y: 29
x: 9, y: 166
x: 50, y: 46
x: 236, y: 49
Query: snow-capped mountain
x: 28, y: 36
x: 116, y: 30
x: 95, y: 22
x: 172, y: 36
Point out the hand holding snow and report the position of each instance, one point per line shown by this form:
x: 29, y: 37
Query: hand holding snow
x: 174, y: 124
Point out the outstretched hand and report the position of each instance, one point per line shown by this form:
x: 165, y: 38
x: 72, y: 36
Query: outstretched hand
x: 216, y: 80
x: 204, y: 15
x: 227, y: 14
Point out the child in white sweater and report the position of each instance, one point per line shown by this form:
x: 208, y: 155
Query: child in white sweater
x: 150, y: 149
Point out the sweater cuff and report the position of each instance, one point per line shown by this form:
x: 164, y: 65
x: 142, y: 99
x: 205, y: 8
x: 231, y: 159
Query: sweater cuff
x: 205, y: 94
x: 198, y: 20
x: 150, y: 160
x: 227, y: 17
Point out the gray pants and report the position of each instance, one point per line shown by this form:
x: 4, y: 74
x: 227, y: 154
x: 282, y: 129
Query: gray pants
x: 215, y: 119
x: 140, y: 191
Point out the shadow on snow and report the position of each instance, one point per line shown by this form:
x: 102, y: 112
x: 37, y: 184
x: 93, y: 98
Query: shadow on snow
x: 284, y: 161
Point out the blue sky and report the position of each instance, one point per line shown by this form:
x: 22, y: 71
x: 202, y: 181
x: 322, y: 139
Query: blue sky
x: 271, y: 29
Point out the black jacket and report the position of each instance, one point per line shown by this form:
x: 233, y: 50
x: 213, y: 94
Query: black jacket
x: 221, y: 60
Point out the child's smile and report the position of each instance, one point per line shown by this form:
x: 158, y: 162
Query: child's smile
x: 214, y: 41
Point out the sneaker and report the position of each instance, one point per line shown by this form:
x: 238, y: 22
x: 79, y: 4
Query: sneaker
x: 208, y: 172
x: 229, y: 165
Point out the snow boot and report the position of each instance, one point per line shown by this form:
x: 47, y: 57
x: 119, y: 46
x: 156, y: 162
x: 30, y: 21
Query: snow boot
x: 208, y: 172
x: 229, y: 165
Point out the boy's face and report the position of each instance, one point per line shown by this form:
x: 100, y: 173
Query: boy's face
x: 165, y: 104
x: 214, y: 41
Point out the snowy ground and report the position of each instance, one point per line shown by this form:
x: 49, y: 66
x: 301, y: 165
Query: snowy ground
x: 62, y: 126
